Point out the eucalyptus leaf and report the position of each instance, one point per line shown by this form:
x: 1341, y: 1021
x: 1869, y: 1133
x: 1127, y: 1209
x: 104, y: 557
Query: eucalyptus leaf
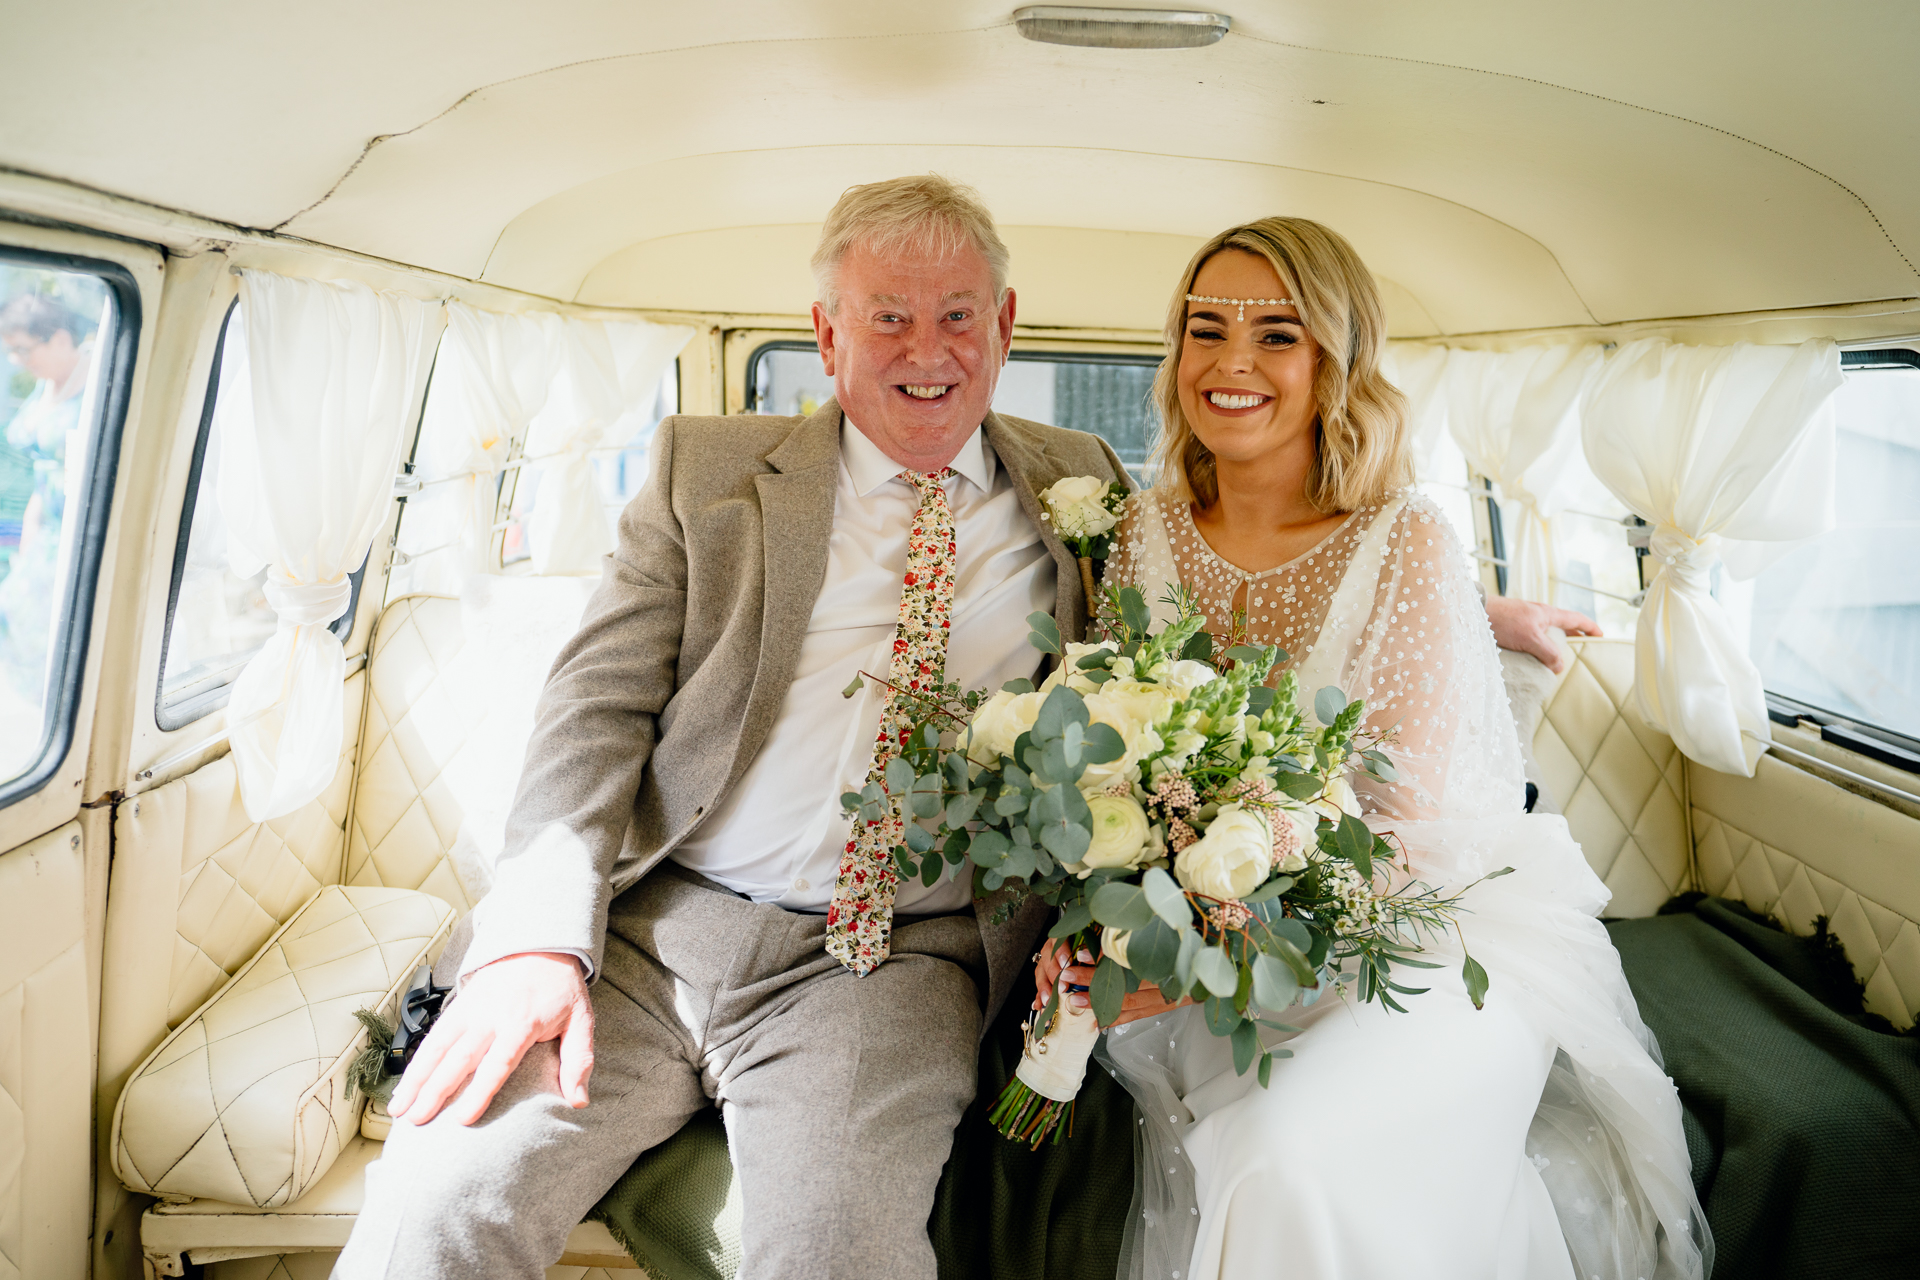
x: 1098, y: 658
x: 1191, y: 945
x: 899, y: 776
x: 1291, y: 956
x: 1244, y: 653
x: 1298, y: 786
x: 1020, y: 862
x: 1134, y: 614
x: 1065, y: 841
x: 918, y: 838
x: 1328, y: 703
x: 1153, y: 951
x: 1213, y: 967
x: 1044, y: 632
x: 961, y: 808
x: 1259, y: 699
x: 1222, y: 1018
x: 1074, y: 919
x: 1022, y: 685
x: 1103, y: 744
x: 1355, y: 841
x: 1272, y: 888
x: 1166, y: 898
x: 1198, y: 648
x: 1293, y: 931
x: 931, y: 869
x: 1266, y: 1070
x: 1108, y: 989
x: 1274, y: 986
x: 1010, y: 803
x: 1246, y: 1047
x: 854, y: 686
x: 850, y: 800
x: 1048, y: 806
x: 989, y: 848
x: 1121, y: 906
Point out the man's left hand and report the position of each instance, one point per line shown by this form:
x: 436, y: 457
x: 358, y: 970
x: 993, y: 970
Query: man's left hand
x: 1522, y: 626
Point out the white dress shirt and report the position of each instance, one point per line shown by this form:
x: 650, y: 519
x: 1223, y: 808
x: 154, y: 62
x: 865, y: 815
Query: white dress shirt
x: 779, y: 835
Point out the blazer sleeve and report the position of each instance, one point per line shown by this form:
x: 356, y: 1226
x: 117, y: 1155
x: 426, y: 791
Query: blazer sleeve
x: 594, y: 731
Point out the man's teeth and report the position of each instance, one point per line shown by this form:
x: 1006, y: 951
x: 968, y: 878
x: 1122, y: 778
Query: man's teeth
x: 1221, y: 400
x: 924, y: 393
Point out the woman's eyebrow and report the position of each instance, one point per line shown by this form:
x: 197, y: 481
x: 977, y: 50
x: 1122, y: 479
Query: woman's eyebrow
x: 1293, y: 320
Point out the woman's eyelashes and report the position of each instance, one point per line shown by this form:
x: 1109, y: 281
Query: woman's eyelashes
x: 1272, y: 339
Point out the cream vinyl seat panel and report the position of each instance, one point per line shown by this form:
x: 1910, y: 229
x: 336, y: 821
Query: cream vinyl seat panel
x: 198, y: 883
x: 1797, y: 847
x: 1620, y: 782
x: 250, y: 1099
x: 452, y: 687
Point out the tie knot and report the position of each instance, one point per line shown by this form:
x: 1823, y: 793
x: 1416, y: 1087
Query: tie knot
x: 926, y: 481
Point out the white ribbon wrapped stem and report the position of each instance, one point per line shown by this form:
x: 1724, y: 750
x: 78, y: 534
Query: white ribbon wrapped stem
x: 1056, y: 1065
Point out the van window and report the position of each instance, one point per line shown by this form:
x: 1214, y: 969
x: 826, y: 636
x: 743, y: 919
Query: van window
x: 620, y: 472
x: 216, y: 620
x: 1835, y: 624
x: 69, y: 333
x: 1099, y: 392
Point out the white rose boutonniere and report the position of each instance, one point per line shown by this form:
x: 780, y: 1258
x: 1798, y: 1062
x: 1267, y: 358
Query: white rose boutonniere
x: 1083, y: 510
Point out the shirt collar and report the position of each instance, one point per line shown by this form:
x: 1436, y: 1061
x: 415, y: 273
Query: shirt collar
x: 869, y: 467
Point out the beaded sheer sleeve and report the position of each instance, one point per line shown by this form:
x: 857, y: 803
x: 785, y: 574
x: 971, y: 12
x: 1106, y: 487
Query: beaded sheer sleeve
x: 1382, y: 607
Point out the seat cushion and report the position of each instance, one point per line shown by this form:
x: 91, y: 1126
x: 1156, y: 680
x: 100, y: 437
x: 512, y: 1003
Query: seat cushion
x: 1802, y: 1109
x: 248, y: 1100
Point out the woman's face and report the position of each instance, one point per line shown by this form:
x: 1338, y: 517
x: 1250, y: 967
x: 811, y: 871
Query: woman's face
x: 1246, y: 385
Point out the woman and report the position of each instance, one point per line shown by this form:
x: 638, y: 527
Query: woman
x: 1534, y: 1138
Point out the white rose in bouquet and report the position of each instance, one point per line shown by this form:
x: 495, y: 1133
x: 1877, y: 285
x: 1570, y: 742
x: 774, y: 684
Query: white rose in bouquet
x: 1113, y: 942
x: 1131, y: 715
x: 1120, y: 830
x: 1069, y: 672
x: 1231, y: 859
x: 1186, y: 675
x: 998, y: 724
x: 1077, y: 506
x: 1338, y: 800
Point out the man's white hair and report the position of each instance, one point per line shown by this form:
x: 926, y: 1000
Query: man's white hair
x: 924, y: 214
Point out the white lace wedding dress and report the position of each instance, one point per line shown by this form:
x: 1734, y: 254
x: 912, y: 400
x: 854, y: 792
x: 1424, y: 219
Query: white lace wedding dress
x: 1536, y: 1138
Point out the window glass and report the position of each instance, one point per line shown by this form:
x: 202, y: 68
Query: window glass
x: 620, y: 472
x: 1107, y: 395
x: 1836, y: 622
x: 216, y: 620
x: 62, y: 334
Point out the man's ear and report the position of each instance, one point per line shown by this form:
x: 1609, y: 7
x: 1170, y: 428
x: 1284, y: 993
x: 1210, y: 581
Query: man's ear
x: 1004, y: 321
x: 823, y: 336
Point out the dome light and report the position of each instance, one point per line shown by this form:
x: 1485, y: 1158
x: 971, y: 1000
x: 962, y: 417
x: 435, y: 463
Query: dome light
x: 1120, y: 28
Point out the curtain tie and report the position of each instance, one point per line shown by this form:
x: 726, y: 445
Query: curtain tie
x: 1687, y: 562
x: 306, y: 604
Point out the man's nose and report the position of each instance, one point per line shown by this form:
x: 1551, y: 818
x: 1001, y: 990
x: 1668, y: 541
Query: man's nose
x: 926, y: 346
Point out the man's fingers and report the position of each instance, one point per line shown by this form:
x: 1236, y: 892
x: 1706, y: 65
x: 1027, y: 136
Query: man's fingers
x: 425, y: 1059
x: 447, y: 1077
x: 576, y: 1054
x: 487, y: 1079
x: 1549, y: 653
x: 1575, y: 624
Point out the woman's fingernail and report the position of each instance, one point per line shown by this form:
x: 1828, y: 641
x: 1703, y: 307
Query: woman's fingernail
x: 1077, y: 1000
x: 1084, y: 956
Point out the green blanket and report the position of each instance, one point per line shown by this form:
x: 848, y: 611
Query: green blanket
x: 1003, y: 1212
x: 1802, y: 1111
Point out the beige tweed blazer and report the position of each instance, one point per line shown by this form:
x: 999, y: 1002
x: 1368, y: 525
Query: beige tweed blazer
x: 657, y: 706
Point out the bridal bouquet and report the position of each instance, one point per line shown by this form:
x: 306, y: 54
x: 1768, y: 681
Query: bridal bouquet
x: 1191, y: 825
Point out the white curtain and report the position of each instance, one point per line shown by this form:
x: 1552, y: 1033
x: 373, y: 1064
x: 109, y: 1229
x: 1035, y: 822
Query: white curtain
x: 314, y: 414
x: 504, y: 371
x: 610, y: 372
x: 1418, y: 368
x: 1728, y: 453
x: 1515, y: 415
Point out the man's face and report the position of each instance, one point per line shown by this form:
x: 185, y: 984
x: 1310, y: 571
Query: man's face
x: 915, y: 350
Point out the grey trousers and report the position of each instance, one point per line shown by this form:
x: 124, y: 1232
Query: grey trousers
x: 840, y: 1096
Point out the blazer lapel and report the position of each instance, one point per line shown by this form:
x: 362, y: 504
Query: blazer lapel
x: 796, y: 522
x: 1033, y: 468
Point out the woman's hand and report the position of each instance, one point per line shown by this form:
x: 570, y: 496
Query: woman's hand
x: 1055, y: 966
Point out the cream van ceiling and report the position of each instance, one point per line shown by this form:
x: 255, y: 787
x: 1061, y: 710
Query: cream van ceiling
x: 1502, y: 165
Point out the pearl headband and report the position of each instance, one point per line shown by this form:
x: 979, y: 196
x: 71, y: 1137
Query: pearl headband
x: 1242, y: 303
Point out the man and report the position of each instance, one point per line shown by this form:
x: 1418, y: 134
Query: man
x: 680, y: 911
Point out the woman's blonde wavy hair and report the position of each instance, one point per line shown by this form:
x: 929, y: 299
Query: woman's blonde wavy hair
x: 1365, y: 451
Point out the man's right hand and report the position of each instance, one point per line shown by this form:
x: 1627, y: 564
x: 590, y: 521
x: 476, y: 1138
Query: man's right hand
x: 503, y: 1009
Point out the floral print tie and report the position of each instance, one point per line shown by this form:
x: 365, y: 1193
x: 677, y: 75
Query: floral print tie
x: 860, y: 918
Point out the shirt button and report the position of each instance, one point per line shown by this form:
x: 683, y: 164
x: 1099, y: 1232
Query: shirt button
x: 801, y: 885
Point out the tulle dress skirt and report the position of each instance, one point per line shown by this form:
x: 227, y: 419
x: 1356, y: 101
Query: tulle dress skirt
x: 1534, y: 1139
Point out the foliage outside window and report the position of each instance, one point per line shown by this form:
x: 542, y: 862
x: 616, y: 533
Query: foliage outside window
x: 69, y: 344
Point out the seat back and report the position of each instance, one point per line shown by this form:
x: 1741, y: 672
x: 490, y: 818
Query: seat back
x: 1620, y: 782
x: 451, y: 691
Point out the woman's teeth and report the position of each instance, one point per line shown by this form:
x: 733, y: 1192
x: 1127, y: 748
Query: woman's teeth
x: 1223, y: 400
x: 923, y: 393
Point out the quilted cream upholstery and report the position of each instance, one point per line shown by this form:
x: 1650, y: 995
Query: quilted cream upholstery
x: 449, y: 711
x: 1620, y: 782
x: 46, y: 1077
x: 248, y: 1100
x: 1796, y: 847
